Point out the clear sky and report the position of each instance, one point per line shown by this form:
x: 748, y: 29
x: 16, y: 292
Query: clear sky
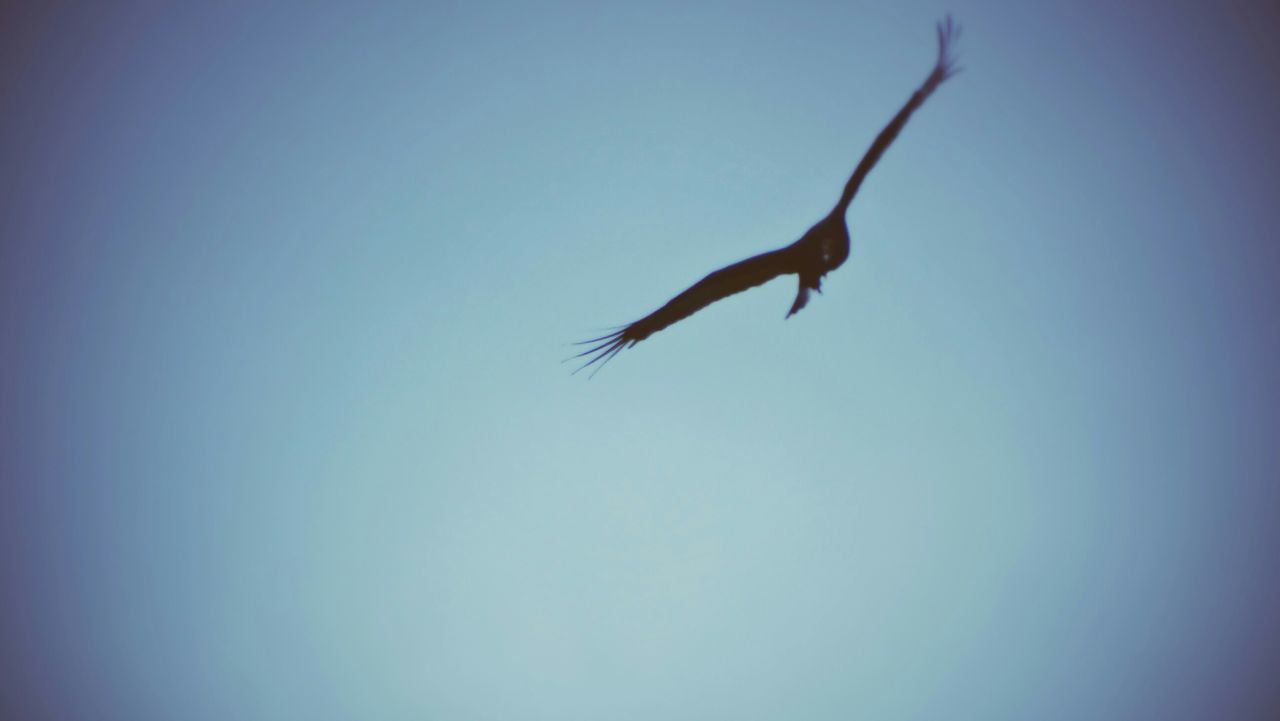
x: 284, y: 431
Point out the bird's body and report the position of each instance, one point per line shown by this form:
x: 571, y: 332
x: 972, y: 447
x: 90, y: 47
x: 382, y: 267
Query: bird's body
x: 822, y: 249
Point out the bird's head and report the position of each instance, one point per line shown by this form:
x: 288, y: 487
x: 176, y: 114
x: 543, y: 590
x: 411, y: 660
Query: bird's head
x: 832, y: 237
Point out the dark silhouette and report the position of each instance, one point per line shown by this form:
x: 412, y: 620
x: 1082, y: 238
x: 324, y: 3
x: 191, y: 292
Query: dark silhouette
x: 821, y: 250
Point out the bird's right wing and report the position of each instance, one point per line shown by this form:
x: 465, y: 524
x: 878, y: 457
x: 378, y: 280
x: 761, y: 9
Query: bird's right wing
x: 716, y: 286
x: 943, y: 68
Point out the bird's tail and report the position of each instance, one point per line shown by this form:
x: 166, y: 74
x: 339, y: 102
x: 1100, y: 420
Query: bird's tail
x: 802, y: 299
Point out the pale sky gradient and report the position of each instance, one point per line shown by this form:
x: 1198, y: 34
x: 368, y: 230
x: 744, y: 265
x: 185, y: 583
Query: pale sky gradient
x: 284, y: 432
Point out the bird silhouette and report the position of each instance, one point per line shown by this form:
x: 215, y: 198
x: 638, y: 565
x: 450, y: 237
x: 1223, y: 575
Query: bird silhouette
x: 822, y: 249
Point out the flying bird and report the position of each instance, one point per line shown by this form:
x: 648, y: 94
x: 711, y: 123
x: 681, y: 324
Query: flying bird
x: 822, y: 249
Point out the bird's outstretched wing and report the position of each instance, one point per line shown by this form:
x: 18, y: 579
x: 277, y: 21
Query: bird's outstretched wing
x: 943, y: 68
x: 721, y: 284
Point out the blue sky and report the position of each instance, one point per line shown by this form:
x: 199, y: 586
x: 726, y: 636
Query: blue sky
x: 285, y: 434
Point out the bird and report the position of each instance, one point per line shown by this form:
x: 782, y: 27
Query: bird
x: 822, y: 249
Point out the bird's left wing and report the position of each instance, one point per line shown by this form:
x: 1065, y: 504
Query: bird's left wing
x: 718, y: 285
